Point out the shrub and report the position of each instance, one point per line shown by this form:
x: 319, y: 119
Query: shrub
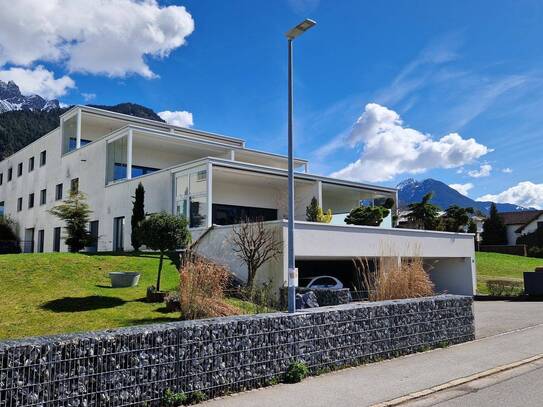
x: 9, y: 240
x: 314, y: 213
x: 535, y: 252
x: 172, y: 302
x: 534, y: 241
x: 171, y: 399
x: 494, y: 231
x: 367, y: 215
x: 201, y: 289
x: 138, y: 215
x: 196, y: 397
x: 296, y: 372
x: 75, y: 211
x: 391, y: 279
x: 505, y: 288
x: 166, y: 233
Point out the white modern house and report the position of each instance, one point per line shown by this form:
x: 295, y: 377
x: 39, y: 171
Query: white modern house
x: 214, y: 181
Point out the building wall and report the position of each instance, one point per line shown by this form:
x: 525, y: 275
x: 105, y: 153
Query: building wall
x: 532, y: 226
x: 512, y: 235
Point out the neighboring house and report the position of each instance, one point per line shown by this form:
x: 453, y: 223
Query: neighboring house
x: 521, y: 223
x: 214, y: 181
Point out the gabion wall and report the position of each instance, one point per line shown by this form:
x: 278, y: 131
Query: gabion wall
x: 134, y: 366
x: 325, y: 296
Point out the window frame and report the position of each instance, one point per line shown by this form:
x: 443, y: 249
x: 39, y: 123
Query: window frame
x: 43, y: 196
x: 43, y: 158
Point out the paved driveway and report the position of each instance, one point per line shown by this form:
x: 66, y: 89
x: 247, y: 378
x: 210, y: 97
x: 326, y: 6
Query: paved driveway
x: 495, y: 317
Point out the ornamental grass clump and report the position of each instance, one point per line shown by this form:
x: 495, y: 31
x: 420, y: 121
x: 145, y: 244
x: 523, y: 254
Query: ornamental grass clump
x: 391, y: 279
x: 201, y: 289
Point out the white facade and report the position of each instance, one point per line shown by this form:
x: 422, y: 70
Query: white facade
x: 209, y: 178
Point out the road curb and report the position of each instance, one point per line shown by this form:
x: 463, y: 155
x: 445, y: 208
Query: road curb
x: 457, y: 382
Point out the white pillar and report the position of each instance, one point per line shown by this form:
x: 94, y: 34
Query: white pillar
x: 129, y: 154
x: 78, y: 131
x: 319, y: 193
x: 209, y: 195
x: 232, y: 155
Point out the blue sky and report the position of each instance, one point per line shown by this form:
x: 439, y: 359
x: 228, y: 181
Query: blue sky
x: 413, y: 72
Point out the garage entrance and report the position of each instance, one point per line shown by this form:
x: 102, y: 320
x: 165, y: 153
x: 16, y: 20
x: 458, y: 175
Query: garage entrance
x: 342, y: 269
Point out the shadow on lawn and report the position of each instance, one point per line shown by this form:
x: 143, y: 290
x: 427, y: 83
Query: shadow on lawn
x: 78, y: 304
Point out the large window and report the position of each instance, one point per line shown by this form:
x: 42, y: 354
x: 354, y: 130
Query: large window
x: 191, y: 196
x: 137, y: 171
x: 73, y: 143
x: 233, y: 214
x: 116, y: 154
x: 69, y: 132
x: 20, y: 169
x: 31, y: 164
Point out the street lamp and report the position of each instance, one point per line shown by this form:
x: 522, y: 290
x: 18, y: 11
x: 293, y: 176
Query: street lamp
x: 292, y: 271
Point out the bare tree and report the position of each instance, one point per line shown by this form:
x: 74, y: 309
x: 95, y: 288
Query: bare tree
x: 254, y: 244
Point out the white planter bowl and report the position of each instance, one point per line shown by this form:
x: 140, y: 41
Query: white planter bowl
x: 121, y: 279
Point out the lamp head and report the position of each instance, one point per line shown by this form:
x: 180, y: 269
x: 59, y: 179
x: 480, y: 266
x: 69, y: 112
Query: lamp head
x: 300, y: 29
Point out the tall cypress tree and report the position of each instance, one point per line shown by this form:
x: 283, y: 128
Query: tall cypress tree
x: 494, y: 231
x: 138, y: 215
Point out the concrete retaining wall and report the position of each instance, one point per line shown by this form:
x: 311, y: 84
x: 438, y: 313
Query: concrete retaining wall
x: 134, y: 366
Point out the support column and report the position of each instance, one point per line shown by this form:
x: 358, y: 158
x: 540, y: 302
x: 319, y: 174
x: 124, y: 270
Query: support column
x: 232, y: 155
x: 129, y: 154
x: 209, y: 195
x: 78, y: 131
x: 319, y: 194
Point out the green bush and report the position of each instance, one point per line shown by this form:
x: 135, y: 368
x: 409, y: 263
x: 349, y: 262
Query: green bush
x: 166, y: 233
x: 171, y: 399
x: 367, y: 215
x: 196, y: 397
x: 505, y: 288
x: 296, y: 372
x: 535, y: 252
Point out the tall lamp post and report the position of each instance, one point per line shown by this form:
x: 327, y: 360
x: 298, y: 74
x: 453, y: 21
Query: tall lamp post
x: 292, y: 272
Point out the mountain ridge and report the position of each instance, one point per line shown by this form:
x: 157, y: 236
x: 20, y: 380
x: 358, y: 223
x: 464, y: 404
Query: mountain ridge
x: 11, y: 99
x: 24, y: 119
x: 411, y: 190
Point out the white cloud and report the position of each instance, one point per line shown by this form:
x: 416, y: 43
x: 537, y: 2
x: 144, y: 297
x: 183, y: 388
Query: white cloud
x: 483, y: 171
x: 507, y: 170
x: 37, y: 81
x: 524, y: 193
x: 88, y: 96
x: 177, y: 118
x: 462, y: 188
x: 390, y: 149
x: 113, y: 37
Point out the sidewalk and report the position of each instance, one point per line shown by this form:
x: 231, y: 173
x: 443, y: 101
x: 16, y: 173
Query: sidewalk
x: 378, y: 382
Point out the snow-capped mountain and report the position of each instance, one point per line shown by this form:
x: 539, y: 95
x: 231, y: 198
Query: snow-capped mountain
x: 410, y: 191
x: 12, y: 99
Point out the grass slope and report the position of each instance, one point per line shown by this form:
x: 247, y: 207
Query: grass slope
x: 50, y: 293
x: 494, y: 265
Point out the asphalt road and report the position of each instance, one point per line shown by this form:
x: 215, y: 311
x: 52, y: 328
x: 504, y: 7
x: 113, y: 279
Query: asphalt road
x: 504, y: 339
x: 520, y: 387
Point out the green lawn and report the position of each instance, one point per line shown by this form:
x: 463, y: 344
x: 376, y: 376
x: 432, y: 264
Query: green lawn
x: 494, y: 265
x: 50, y: 293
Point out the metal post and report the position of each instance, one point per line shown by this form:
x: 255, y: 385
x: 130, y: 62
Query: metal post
x: 291, y: 259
